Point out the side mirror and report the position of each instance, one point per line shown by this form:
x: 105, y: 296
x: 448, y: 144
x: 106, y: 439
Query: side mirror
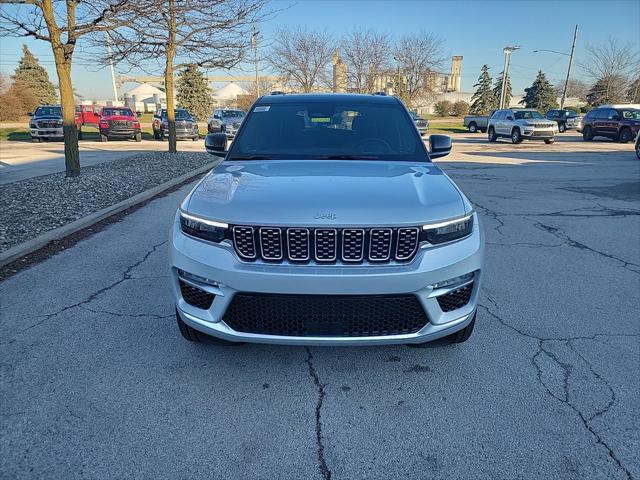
x: 439, y: 146
x: 216, y: 144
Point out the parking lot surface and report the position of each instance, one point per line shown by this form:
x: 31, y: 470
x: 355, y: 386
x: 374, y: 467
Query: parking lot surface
x: 96, y: 382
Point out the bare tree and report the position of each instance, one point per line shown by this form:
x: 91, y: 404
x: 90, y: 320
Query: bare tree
x: 62, y: 25
x: 207, y: 33
x: 367, y: 54
x: 612, y: 67
x: 576, y: 88
x: 418, y: 58
x: 302, y: 57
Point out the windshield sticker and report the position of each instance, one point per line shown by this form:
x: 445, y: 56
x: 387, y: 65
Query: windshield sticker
x: 262, y: 109
x: 320, y: 120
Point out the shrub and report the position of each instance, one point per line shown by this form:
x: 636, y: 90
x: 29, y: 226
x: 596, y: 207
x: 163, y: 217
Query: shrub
x: 460, y: 108
x: 443, y: 108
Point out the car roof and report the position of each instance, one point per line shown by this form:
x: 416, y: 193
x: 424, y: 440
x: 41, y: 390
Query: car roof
x: 326, y: 97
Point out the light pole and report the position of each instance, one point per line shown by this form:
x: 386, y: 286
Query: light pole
x: 505, y: 73
x: 570, y: 55
x: 254, y: 43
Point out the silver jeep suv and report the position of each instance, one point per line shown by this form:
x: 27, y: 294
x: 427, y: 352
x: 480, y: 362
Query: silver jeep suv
x: 519, y: 124
x: 326, y: 223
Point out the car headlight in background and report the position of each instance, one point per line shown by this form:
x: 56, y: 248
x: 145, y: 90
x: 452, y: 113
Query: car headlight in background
x: 448, y: 231
x: 203, y: 228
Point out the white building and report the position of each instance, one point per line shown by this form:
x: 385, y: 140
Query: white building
x: 145, y: 98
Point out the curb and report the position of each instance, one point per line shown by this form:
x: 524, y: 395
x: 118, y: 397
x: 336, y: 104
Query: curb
x: 40, y: 241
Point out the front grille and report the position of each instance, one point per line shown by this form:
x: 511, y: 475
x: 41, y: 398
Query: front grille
x: 455, y: 299
x: 320, y: 315
x: 49, y: 124
x: 196, y: 296
x: 120, y: 123
x: 326, y: 245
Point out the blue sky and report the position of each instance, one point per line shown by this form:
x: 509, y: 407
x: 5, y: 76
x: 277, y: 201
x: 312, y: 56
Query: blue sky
x: 476, y: 30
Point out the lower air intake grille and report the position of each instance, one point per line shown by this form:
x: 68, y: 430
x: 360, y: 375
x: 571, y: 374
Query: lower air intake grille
x: 325, y: 315
x: 196, y: 296
x: 455, y: 299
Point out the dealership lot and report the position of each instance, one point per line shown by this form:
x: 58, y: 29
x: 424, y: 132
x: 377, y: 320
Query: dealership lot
x: 97, y: 382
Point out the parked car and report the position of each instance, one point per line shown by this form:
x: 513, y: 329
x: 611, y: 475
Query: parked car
x: 318, y: 230
x: 476, y: 123
x: 186, y: 126
x: 618, y: 123
x: 87, y: 115
x: 422, y: 124
x: 119, y: 122
x: 46, y: 123
x: 226, y: 120
x: 520, y: 124
x: 638, y: 145
x: 565, y: 118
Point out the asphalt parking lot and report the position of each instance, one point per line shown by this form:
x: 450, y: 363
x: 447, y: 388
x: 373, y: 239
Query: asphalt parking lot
x: 96, y: 382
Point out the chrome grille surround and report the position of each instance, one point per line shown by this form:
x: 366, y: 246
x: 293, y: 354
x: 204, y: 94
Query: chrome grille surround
x: 271, y: 243
x: 326, y: 244
x: 244, y: 242
x: 352, y: 244
x: 380, y: 240
x: 407, y: 243
x: 298, y: 244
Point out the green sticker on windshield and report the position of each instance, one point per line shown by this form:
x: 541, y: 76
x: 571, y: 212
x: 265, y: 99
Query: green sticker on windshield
x: 320, y: 120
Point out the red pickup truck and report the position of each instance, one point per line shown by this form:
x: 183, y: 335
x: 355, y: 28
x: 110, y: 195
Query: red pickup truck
x: 119, y: 122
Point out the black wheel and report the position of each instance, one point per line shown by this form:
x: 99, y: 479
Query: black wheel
x: 587, y: 134
x: 196, y: 138
x: 638, y: 149
x: 35, y: 139
x: 80, y: 134
x: 483, y: 130
x: 156, y: 135
x: 516, y: 136
x: 549, y: 141
x: 562, y: 127
x: 473, y: 127
x: 492, y: 135
x: 162, y: 137
x: 138, y: 137
x: 193, y: 335
x: 625, y: 135
x: 103, y: 138
x: 459, y: 337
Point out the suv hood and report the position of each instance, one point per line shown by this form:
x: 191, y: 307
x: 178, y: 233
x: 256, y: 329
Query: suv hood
x: 326, y: 193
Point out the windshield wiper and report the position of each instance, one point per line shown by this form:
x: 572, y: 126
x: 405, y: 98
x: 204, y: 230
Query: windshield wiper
x: 249, y: 157
x: 346, y: 157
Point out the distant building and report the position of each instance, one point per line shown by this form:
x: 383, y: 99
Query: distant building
x: 229, y: 93
x: 340, y: 74
x: 145, y: 98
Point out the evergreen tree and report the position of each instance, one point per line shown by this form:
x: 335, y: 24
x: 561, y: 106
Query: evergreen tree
x: 193, y: 92
x: 497, y: 91
x: 540, y: 95
x: 32, y: 76
x: 483, y: 100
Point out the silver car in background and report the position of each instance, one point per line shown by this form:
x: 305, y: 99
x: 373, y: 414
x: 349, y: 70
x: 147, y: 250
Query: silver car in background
x: 327, y: 223
x: 520, y: 124
x: 226, y: 120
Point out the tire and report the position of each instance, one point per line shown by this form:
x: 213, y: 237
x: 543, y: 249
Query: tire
x: 638, y: 150
x: 35, y: 139
x: 193, y: 335
x: 104, y: 138
x: 516, y: 136
x: 587, y: 134
x: 473, y: 127
x: 162, y: 137
x: 550, y: 141
x: 562, y: 128
x: 625, y: 135
x: 491, y: 136
x: 138, y: 137
x: 460, y: 336
x: 483, y: 130
x: 80, y: 134
x: 196, y: 138
x: 156, y: 135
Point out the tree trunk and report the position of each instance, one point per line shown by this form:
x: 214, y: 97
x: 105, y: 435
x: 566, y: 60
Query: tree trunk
x: 171, y: 111
x: 69, y: 128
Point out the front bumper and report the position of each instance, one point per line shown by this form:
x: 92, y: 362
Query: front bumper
x: 220, y: 264
x: 532, y: 133
x: 47, y: 133
x: 183, y: 134
x: 119, y: 133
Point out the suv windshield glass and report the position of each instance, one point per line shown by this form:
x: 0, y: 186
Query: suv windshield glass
x: 329, y: 130
x: 230, y: 113
x: 632, y: 114
x: 112, y: 112
x: 53, y: 111
x: 569, y: 114
x: 526, y: 114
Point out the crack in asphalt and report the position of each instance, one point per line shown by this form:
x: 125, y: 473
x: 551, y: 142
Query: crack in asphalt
x: 126, y: 315
x: 491, y: 214
x: 567, y: 368
x: 561, y: 235
x: 126, y: 275
x: 322, y: 464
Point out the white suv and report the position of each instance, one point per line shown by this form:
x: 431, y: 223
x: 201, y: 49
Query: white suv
x: 519, y: 124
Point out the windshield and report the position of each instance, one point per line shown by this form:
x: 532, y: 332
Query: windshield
x: 568, y: 113
x: 53, y: 111
x: 329, y: 130
x: 527, y: 114
x: 112, y: 112
x: 230, y: 113
x: 631, y: 114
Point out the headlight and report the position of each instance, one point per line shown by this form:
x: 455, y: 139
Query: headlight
x: 449, y: 230
x: 203, y: 228
x: 33, y: 125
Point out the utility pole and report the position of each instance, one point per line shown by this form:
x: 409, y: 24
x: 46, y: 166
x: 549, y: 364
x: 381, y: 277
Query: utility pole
x: 505, y: 73
x: 113, y: 71
x: 566, y: 82
x: 254, y: 44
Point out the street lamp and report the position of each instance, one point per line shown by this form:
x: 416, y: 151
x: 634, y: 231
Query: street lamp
x: 505, y: 73
x: 570, y: 55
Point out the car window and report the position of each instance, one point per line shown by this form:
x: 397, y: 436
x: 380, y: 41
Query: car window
x: 230, y: 113
x: 602, y: 113
x: 613, y: 114
x: 527, y: 114
x: 552, y: 114
x: 112, y: 112
x: 497, y: 115
x: 632, y: 114
x: 329, y: 129
x: 53, y: 111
